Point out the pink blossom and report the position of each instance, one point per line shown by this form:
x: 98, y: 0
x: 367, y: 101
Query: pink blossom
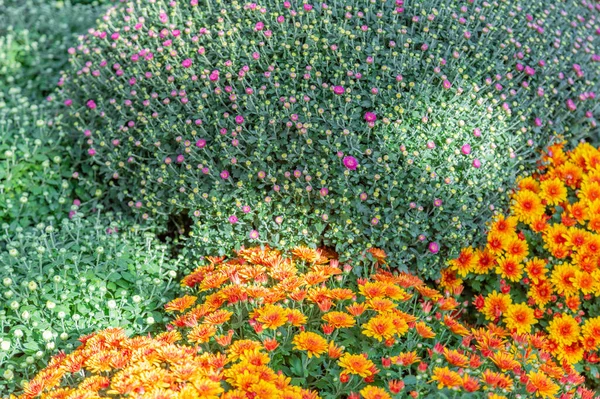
x: 476, y: 163
x: 350, y: 162
x: 308, y: 7
x: 224, y: 174
x: 91, y: 104
x: 68, y: 102
x: 446, y: 84
x: 339, y: 90
x: 239, y: 119
x: 477, y: 132
x: 434, y: 247
x: 254, y: 235
x: 370, y: 117
x: 466, y: 149
x: 187, y: 63
x: 91, y: 152
x: 233, y: 219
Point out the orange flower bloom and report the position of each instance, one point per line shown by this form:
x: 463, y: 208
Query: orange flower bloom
x: 295, y: 317
x: 536, y: 270
x: 470, y: 384
x: 180, y: 304
x: 464, y: 263
x: 576, y: 238
x: 357, y: 364
x: 202, y: 333
x: 456, y: 358
x: 272, y: 316
x: 517, y: 248
x: 553, y: 191
x: 312, y: 343
x: 356, y: 309
x: 495, y: 305
x: 496, y: 380
x: 541, y: 385
x: 339, y: 319
x: 563, y: 279
x: 541, y: 293
x: 504, y: 360
x: 485, y: 261
x: 334, y: 351
x: 406, y: 358
x: 379, y: 327
x: 504, y: 226
x: 572, y: 353
x: 564, y: 329
x: 373, y: 392
x: 446, y: 378
x: 519, y: 317
x: 218, y: 317
x: 449, y: 280
x: 424, y: 330
x: 528, y: 183
x: 496, y: 243
x: 528, y: 206
x: 510, y: 268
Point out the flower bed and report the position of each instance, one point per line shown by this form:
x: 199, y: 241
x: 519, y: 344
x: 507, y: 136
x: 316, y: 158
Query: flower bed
x: 270, y: 325
x: 540, y: 268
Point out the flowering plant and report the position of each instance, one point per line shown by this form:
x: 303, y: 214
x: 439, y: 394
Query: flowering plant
x: 267, y: 325
x: 540, y: 269
x: 62, y: 280
x: 334, y: 124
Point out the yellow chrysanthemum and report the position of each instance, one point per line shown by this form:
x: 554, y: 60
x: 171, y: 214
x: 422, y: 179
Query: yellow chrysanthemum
x: 519, y: 317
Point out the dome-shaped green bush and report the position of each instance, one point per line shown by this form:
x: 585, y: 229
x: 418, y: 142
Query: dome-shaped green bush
x: 371, y: 123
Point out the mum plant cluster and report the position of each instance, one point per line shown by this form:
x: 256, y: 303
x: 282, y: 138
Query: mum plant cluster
x: 441, y: 155
x: 327, y: 334
x: 545, y: 256
x: 342, y: 124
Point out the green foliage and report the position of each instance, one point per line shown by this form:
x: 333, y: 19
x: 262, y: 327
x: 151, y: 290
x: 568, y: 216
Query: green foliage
x: 34, y: 38
x: 203, y: 109
x: 35, y: 174
x: 69, y: 279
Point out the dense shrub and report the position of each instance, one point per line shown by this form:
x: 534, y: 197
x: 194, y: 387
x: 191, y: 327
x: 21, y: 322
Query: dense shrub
x: 270, y: 325
x: 68, y: 279
x: 35, y: 176
x: 360, y: 125
x: 34, y: 37
x: 542, y: 258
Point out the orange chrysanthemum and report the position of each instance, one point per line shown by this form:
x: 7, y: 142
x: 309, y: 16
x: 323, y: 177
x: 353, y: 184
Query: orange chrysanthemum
x: 180, y: 304
x: 510, y: 268
x: 563, y: 279
x: 339, y: 319
x: 373, y: 392
x: 540, y: 384
x: 379, y: 327
x: 455, y: 358
x: 564, y: 329
x: 519, y: 317
x: 536, y: 270
x: 446, y: 378
x: 312, y: 343
x: 495, y: 305
x: 528, y: 206
x: 553, y: 191
x: 357, y: 364
x: 272, y: 316
x: 465, y: 262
